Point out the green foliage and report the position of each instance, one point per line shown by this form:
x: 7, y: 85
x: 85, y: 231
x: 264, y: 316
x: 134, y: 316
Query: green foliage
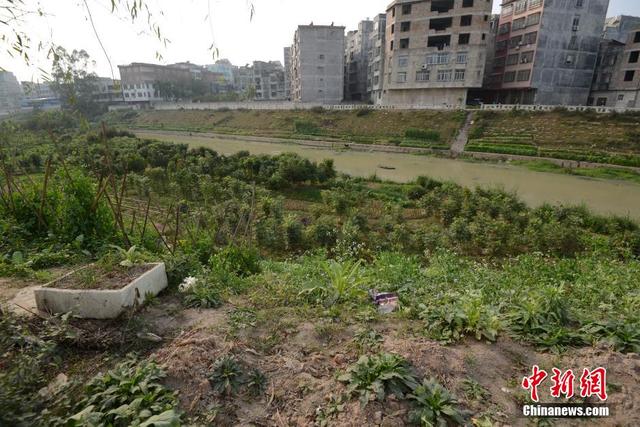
x: 375, y: 377
x: 422, y: 134
x: 305, y: 127
x: 226, y: 376
x: 256, y: 382
x: 204, y: 294
x: 367, y: 340
x: 130, y: 394
x: 343, y: 283
x: 238, y: 260
x: 434, y: 405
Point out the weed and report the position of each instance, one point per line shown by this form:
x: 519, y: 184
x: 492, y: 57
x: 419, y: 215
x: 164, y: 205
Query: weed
x: 367, y: 340
x: 473, y: 390
x: 343, y: 283
x: 375, y: 377
x: 256, y: 382
x: 434, y: 405
x: 226, y: 376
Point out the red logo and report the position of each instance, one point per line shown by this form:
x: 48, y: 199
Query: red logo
x: 592, y: 383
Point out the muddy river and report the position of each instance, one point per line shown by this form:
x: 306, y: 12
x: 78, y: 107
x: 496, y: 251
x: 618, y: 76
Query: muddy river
x: 535, y: 188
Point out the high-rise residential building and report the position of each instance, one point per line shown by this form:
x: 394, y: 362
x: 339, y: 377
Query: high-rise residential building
x: 287, y: 72
x: 317, y: 64
x: 618, y: 27
x: 10, y: 93
x: 435, y: 51
x: 617, y: 79
x: 546, y: 51
x: 375, y: 71
x: 225, y: 68
x: 356, y: 60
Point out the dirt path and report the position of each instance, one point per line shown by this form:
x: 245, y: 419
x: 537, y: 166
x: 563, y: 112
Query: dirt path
x: 463, y: 136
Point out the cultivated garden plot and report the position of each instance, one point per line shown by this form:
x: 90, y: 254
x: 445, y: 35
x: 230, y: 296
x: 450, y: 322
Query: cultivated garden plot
x: 267, y: 317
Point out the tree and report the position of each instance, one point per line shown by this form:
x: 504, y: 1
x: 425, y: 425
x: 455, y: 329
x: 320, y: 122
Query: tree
x: 73, y: 82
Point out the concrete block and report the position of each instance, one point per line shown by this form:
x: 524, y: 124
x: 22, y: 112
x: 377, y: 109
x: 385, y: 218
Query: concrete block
x: 101, y: 304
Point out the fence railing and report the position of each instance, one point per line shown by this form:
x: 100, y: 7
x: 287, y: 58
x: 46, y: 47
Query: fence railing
x: 511, y: 107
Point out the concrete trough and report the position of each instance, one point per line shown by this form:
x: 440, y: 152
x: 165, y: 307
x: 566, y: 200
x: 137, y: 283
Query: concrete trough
x: 101, y: 304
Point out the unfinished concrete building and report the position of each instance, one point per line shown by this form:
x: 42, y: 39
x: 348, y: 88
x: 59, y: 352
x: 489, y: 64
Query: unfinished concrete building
x: 617, y: 79
x: 546, y: 51
x: 618, y: 27
x: 375, y: 72
x: 356, y: 60
x: 317, y: 64
x: 435, y: 51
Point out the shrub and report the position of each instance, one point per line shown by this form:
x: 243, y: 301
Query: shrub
x: 343, y: 283
x: 239, y: 260
x: 362, y: 112
x: 422, y: 134
x: 375, y: 377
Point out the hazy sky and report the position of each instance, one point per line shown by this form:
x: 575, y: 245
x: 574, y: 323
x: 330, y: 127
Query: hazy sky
x: 184, y: 23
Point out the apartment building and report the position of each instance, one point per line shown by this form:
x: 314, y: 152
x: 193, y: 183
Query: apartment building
x: 317, y: 64
x: 143, y: 83
x: 10, y: 93
x: 375, y: 72
x: 435, y: 51
x: 356, y: 60
x: 287, y: 72
x: 618, y: 27
x: 617, y: 79
x: 268, y: 81
x: 546, y: 51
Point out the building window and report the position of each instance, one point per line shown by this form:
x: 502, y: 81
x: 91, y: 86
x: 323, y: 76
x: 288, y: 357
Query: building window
x: 519, y: 24
x: 526, y: 57
x: 620, y: 97
x: 391, y: 47
x: 464, y: 39
x: 531, y: 38
x: 393, y: 28
x: 467, y: 3
x: 459, y: 75
x: 633, y: 57
x: 405, y: 26
x: 510, y: 77
x: 406, y: 9
x: 501, y: 45
x: 504, y: 28
x: 636, y: 38
x: 465, y: 20
x: 440, y: 24
x: 461, y: 57
x: 439, y: 41
x: 629, y: 75
x: 579, y: 3
x: 321, y: 57
x: 513, y: 59
x: 533, y: 19
x: 423, y: 75
x: 403, y: 61
x: 499, y: 62
x: 521, y: 6
x: 442, y: 6
x: 507, y: 10
x: 401, y: 77
x: 444, y: 75
x: 404, y: 43
x: 576, y: 24
x: 523, y: 75
x: 534, y: 3
x: 602, y: 102
x: 515, y: 42
x: 570, y: 59
x: 393, y: 12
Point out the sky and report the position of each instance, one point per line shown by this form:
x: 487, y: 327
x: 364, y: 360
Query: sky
x: 192, y: 29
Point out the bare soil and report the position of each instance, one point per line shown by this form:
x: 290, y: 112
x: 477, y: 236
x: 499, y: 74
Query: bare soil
x: 302, y: 357
x: 97, y: 277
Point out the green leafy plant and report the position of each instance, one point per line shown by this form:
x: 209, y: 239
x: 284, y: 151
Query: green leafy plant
x: 129, y: 257
x: 226, y: 376
x: 343, y: 283
x: 203, y: 294
x: 473, y: 390
x: 130, y: 394
x: 375, y: 377
x: 256, y: 382
x: 434, y: 405
x: 367, y: 340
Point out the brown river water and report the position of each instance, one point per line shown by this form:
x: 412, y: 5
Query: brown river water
x: 601, y: 196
